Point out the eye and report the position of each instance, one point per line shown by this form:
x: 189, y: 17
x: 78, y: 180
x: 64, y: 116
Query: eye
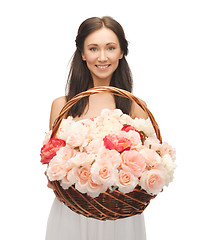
x: 93, y: 49
x: 111, y: 48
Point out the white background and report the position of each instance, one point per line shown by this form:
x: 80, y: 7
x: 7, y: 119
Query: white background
x: 168, y: 59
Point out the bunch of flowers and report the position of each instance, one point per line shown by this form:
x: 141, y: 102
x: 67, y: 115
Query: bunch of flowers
x: 111, y: 151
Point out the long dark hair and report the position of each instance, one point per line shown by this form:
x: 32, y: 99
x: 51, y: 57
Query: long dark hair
x: 80, y: 79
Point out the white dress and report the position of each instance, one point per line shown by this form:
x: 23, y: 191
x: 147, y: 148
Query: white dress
x: 64, y: 224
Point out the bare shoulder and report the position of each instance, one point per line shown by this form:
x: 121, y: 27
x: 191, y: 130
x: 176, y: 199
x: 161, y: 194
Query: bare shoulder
x: 137, y: 111
x: 56, y: 107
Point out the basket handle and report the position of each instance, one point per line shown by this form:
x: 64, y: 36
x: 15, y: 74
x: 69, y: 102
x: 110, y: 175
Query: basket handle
x: 113, y: 90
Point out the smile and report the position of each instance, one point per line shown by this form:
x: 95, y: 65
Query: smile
x: 103, y: 66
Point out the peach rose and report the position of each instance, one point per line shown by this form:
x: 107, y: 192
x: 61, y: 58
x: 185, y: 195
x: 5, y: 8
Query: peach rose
x: 66, y: 153
x: 94, y: 189
x: 82, y: 159
x: 150, y: 156
x: 94, y: 146
x: 70, y: 177
x: 167, y: 149
x: 64, y: 128
x: 126, y: 119
x: 134, y: 137
x: 133, y: 162
x: 57, y: 169
x: 82, y: 176
x: 103, y: 172
x: 152, y: 181
x: 126, y: 181
x: 109, y: 155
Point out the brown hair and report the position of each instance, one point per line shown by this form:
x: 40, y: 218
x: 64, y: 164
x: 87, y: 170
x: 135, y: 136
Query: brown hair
x: 80, y: 79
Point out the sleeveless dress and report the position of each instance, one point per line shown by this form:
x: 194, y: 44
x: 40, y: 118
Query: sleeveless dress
x: 64, y: 224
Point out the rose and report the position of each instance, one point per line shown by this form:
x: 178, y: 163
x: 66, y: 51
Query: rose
x: 128, y: 128
x: 82, y: 159
x: 133, y: 162
x: 169, y: 166
x: 49, y: 150
x: 70, y: 177
x: 134, y: 137
x: 144, y: 126
x: 152, y: 181
x: 117, y: 142
x: 126, y: 181
x: 64, y: 128
x: 152, y: 143
x: 66, y: 153
x: 126, y: 119
x: 94, y: 146
x: 94, y: 189
x: 150, y: 156
x: 167, y: 149
x: 47, y: 137
x: 82, y: 175
x: 57, y: 169
x: 103, y: 172
x: 109, y: 155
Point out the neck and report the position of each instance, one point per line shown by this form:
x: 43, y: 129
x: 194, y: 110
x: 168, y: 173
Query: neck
x: 101, y: 82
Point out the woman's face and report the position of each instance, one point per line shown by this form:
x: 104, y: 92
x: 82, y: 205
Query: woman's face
x: 102, y: 53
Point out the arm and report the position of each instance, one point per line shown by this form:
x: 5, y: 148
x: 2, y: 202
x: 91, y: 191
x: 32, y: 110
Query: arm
x: 57, y: 106
x: 136, y: 110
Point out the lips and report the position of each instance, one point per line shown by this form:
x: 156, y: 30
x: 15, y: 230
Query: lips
x: 103, y: 66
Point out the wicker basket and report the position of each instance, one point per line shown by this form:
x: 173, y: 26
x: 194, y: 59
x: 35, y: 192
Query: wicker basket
x: 108, y: 205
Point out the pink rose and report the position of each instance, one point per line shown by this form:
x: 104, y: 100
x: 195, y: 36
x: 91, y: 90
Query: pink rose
x: 57, y: 169
x: 134, y: 137
x: 82, y: 175
x: 75, y: 140
x: 67, y: 153
x: 152, y: 181
x: 94, y: 146
x: 167, y: 149
x: 150, y: 156
x: 133, y: 162
x: 117, y: 142
x: 94, y: 189
x: 110, y: 155
x: 103, y: 172
x: 126, y: 181
x: 70, y: 177
x: 48, y: 151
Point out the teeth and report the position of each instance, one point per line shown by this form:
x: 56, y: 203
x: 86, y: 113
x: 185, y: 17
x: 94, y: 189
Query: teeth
x: 102, y: 67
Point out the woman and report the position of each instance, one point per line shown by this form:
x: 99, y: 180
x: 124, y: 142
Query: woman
x: 99, y: 60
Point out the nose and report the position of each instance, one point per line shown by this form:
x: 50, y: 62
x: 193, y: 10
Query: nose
x: 102, y: 56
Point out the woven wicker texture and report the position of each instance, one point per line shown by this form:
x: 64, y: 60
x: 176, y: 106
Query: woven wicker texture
x: 108, y: 205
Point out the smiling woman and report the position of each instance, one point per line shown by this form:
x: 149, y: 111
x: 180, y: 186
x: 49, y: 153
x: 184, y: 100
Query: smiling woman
x: 99, y: 60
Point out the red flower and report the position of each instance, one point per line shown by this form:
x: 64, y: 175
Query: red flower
x: 127, y: 128
x: 118, y: 143
x: 48, y: 151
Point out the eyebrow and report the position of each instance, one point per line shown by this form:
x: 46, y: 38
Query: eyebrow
x: 95, y: 44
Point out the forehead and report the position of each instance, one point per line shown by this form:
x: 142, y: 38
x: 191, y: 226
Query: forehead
x: 101, y: 36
